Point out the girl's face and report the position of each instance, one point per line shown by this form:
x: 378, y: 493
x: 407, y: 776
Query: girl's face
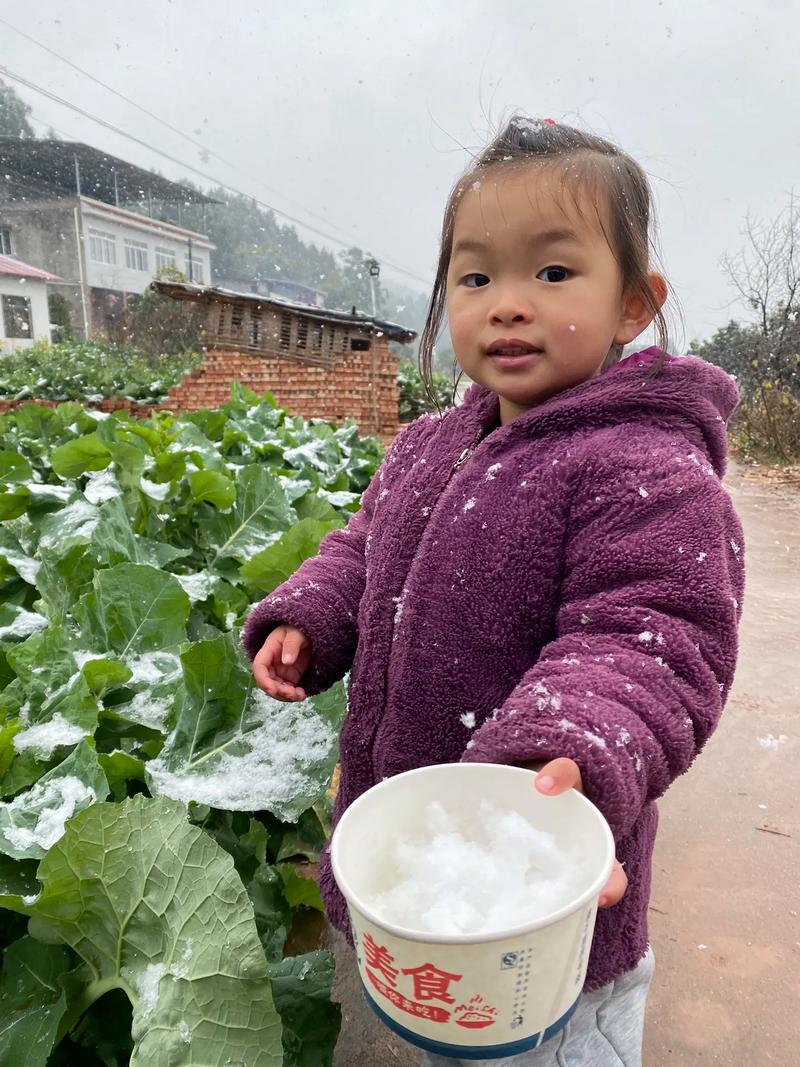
x: 527, y: 267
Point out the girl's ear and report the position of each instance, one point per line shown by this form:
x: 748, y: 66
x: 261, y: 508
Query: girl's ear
x: 636, y: 313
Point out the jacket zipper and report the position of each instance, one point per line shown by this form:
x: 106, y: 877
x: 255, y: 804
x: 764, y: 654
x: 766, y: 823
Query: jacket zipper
x: 467, y: 452
x: 463, y: 457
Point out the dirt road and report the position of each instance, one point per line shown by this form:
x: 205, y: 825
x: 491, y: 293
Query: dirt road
x: 725, y: 903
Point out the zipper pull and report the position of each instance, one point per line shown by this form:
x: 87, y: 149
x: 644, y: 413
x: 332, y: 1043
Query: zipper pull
x: 464, y: 455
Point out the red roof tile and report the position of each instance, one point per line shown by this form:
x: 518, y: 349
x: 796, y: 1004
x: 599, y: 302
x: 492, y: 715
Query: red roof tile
x: 17, y: 269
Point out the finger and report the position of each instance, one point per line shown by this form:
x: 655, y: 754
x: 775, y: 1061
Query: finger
x: 615, y: 888
x: 266, y: 675
x: 281, y: 688
x: 558, y: 776
x: 267, y: 660
x: 266, y: 652
x: 279, y: 691
x: 291, y: 647
x: 288, y: 689
x: 270, y: 685
x: 263, y: 671
x: 287, y: 674
x: 271, y: 675
x: 291, y: 693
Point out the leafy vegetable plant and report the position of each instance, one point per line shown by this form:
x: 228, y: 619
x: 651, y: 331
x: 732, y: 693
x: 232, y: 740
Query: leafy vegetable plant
x: 91, y: 370
x: 154, y: 804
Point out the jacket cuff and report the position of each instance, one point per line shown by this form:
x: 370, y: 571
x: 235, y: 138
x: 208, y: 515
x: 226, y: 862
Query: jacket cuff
x: 332, y: 650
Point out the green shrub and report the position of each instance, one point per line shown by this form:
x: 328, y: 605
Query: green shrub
x: 154, y: 323
x: 766, y: 427
x: 414, y: 400
x: 60, y: 316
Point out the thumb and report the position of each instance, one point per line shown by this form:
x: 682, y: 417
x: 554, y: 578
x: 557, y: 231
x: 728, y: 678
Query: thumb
x: 614, y: 889
x: 558, y: 776
x: 291, y: 646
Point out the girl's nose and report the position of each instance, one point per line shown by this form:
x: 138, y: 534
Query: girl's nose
x: 511, y: 308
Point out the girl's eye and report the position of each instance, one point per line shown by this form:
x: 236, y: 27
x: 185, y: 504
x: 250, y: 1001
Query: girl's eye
x: 558, y: 270
x: 478, y: 284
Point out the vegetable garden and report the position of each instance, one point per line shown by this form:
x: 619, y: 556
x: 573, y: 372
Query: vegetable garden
x: 90, y: 371
x: 155, y: 804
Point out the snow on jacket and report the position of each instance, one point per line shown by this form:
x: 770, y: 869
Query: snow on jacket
x: 568, y: 584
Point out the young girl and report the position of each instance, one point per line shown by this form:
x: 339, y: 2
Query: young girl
x: 549, y: 575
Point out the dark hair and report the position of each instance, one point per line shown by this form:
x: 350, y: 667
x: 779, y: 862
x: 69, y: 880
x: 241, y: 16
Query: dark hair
x: 586, y: 162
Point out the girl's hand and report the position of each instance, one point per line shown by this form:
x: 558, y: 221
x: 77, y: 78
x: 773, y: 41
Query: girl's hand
x: 558, y: 776
x: 281, y: 662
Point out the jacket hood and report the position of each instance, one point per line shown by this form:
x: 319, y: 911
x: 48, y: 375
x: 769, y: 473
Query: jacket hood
x: 687, y: 396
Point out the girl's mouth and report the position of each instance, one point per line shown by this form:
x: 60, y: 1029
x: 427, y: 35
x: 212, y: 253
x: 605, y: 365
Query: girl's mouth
x: 514, y: 357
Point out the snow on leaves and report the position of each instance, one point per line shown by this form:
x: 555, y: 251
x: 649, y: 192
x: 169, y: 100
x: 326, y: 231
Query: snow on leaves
x: 93, y: 636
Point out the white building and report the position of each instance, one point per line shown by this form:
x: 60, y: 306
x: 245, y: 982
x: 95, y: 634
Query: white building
x: 124, y: 251
x: 63, y: 205
x: 24, y: 314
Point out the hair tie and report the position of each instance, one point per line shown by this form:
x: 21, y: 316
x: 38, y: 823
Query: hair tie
x: 550, y: 122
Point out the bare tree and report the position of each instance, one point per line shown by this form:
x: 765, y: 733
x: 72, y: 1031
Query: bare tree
x: 766, y: 273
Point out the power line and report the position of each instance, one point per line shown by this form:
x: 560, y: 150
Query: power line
x: 157, y: 118
x: 188, y: 166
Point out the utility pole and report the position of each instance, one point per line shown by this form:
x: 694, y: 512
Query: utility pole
x: 80, y: 246
x: 374, y: 268
x: 374, y: 272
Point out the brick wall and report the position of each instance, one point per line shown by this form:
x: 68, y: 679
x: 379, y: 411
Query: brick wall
x: 331, y: 393
x: 342, y: 390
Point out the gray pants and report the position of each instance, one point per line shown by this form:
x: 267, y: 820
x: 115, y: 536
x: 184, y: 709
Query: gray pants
x: 605, y: 1030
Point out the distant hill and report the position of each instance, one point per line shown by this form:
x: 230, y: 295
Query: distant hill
x: 253, y: 245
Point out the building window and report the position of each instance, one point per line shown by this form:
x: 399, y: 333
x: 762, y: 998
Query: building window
x: 165, y: 257
x: 135, y: 255
x: 17, y: 316
x: 6, y: 245
x: 302, y: 333
x: 286, y: 330
x: 255, y: 326
x: 194, y: 271
x: 102, y: 246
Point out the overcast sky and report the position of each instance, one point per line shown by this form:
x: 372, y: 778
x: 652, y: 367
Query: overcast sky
x: 358, y: 115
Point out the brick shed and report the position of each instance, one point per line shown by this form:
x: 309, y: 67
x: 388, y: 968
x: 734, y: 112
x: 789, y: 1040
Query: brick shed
x: 317, y: 362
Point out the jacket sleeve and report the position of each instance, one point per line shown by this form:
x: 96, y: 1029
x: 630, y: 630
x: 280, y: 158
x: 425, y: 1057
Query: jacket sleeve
x: 645, y: 644
x: 323, y: 595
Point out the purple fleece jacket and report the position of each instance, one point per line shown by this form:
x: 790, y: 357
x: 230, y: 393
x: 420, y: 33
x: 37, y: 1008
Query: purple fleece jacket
x: 572, y: 579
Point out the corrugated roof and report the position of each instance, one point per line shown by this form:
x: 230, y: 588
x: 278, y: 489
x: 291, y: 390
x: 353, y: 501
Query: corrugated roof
x: 206, y: 293
x: 17, y: 269
x: 54, y: 162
